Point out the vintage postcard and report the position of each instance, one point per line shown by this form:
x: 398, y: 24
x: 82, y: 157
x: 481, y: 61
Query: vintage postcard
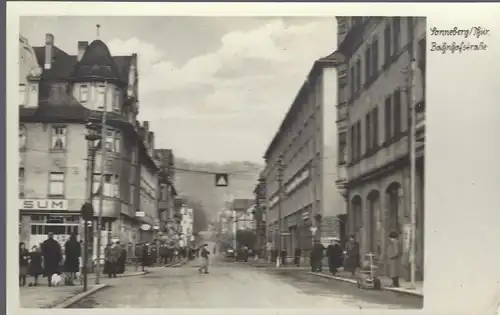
x: 241, y: 159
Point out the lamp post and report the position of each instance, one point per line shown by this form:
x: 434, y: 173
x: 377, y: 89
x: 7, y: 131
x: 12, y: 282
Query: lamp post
x: 92, y: 136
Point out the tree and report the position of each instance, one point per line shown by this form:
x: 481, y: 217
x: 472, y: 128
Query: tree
x: 246, y: 238
x: 200, y: 221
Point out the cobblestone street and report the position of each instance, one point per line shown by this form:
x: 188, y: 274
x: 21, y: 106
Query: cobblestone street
x: 234, y: 285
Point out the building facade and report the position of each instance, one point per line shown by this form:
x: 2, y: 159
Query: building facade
x: 186, y: 226
x: 168, y: 225
x: 246, y: 219
x: 303, y: 156
x: 373, y: 126
x: 58, y: 93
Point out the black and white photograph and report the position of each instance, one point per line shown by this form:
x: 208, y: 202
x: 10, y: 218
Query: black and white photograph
x: 221, y: 162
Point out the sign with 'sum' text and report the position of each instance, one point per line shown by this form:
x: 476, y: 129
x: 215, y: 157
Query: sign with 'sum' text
x: 44, y: 204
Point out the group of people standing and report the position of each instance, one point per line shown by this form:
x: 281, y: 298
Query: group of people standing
x: 46, y: 260
x: 350, y: 258
x: 115, y: 258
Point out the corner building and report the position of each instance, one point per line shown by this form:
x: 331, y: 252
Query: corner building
x: 305, y: 141
x: 58, y: 93
x: 373, y: 130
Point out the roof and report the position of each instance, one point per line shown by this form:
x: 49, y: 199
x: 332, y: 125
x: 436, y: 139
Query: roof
x: 332, y: 60
x: 63, y: 65
x: 96, y: 64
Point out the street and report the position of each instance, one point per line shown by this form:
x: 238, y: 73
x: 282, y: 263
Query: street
x: 240, y: 285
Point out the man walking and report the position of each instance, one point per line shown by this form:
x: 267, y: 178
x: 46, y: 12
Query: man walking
x: 204, y: 259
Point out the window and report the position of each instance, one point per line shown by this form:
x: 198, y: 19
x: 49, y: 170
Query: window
x: 375, y: 57
x: 396, y: 31
x: 375, y: 127
x: 353, y: 143
x: 108, y: 189
x: 358, y: 139
x: 21, y: 182
x: 84, y: 93
x: 56, y: 184
x: 101, y: 96
x: 387, y: 45
x: 368, y: 64
x: 22, y: 137
x: 113, y: 141
x: 397, y: 112
x: 388, y: 119
x: 368, y: 131
x: 116, y: 187
x: 353, y: 81
x: 116, y: 101
x: 58, y: 138
x: 358, y: 75
x: 22, y: 94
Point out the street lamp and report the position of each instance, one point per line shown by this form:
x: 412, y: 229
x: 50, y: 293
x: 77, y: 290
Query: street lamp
x: 92, y: 136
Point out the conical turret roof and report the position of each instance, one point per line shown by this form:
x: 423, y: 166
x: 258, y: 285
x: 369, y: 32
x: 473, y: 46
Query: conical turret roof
x: 96, y: 64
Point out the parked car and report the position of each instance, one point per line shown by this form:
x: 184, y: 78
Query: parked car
x: 230, y: 253
x: 242, y: 254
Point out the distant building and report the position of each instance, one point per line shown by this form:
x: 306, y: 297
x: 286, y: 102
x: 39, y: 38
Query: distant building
x: 245, y: 220
x: 307, y: 151
x: 373, y: 129
x: 167, y: 193
x: 58, y: 92
x: 186, y: 226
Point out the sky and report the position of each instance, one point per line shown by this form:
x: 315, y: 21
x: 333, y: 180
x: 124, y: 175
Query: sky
x: 214, y: 89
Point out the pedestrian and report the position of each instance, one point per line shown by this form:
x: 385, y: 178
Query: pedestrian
x: 204, y: 259
x: 35, y: 268
x: 394, y: 255
x: 352, y: 255
x: 317, y: 256
x: 163, y: 254
x: 52, y: 256
x: 122, y: 260
x: 72, y: 252
x: 297, y: 255
x: 112, y: 256
x: 106, y: 268
x: 23, y: 263
x: 283, y: 257
x: 144, y: 256
x: 334, y: 254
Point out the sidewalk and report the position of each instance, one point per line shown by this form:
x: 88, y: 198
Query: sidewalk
x: 386, y: 282
x: 348, y: 277
x: 43, y: 296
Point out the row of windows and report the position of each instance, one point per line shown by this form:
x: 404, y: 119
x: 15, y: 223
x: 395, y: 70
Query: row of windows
x: 392, y: 123
x: 84, y: 93
x: 57, y: 182
x: 58, y: 140
x: 370, y: 59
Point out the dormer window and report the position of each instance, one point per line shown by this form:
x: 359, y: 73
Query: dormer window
x: 84, y: 93
x: 22, y: 94
x: 101, y: 94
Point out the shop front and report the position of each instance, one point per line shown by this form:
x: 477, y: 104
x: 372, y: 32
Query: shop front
x: 39, y: 217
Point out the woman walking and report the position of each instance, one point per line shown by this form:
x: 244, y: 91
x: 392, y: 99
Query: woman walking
x: 35, y: 268
x: 72, y: 251
x: 23, y: 264
x: 352, y: 255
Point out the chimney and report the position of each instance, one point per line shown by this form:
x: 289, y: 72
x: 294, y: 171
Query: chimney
x: 152, y: 140
x: 82, y: 46
x: 49, y: 44
x: 146, y: 126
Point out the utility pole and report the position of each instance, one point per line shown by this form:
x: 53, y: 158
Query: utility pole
x: 104, y: 138
x: 413, y: 171
x: 280, y: 221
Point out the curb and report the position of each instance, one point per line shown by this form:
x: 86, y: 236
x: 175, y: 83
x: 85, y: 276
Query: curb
x: 80, y: 296
x: 178, y: 264
x: 397, y: 290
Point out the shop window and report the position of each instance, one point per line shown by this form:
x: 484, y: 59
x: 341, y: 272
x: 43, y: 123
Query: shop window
x: 56, y: 184
x: 59, y: 137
